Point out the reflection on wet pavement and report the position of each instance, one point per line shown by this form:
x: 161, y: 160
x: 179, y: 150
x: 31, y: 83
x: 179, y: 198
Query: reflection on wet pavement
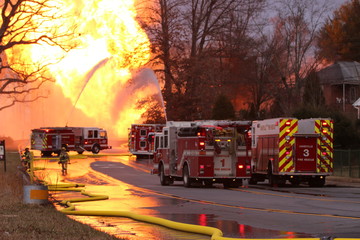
x: 125, y: 197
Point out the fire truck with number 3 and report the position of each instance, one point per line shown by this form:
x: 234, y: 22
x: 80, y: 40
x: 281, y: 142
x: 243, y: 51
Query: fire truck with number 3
x: 203, y: 152
x: 291, y: 149
x: 51, y: 139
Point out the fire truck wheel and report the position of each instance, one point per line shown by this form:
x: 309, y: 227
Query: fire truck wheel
x: 232, y: 184
x: 80, y: 151
x: 164, y: 180
x: 317, y: 182
x: 208, y: 183
x: 295, y: 182
x: 46, y: 153
x: 95, y: 149
x: 253, y: 181
x: 273, y: 180
x: 186, y: 177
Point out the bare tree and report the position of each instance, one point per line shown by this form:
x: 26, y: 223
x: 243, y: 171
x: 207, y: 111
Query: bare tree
x: 296, y: 26
x: 162, y: 21
x: 243, y: 69
x: 195, y: 43
x: 26, y: 23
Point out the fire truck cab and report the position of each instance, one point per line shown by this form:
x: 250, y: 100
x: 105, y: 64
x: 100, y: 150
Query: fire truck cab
x: 291, y: 149
x: 51, y: 139
x: 203, y: 153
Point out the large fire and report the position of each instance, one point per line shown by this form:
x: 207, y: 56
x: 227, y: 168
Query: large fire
x: 103, y: 76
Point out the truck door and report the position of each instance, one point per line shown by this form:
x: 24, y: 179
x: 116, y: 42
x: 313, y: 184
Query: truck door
x: 142, y: 143
x: 225, y: 160
x: 305, y: 154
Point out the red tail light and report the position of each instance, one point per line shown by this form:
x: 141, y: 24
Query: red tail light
x: 202, y: 145
x: 201, y: 169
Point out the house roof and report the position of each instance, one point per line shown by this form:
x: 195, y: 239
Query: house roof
x: 340, y: 73
x: 356, y: 103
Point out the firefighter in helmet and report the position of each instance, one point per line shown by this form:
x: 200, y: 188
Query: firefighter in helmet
x: 26, y: 158
x: 64, y: 160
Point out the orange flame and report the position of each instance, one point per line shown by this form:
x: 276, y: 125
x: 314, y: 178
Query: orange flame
x: 111, y: 45
x: 104, y: 76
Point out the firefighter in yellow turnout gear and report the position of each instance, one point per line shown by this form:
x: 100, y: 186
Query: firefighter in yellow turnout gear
x: 64, y: 160
x: 26, y: 158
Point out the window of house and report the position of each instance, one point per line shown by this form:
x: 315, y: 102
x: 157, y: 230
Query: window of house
x: 353, y: 94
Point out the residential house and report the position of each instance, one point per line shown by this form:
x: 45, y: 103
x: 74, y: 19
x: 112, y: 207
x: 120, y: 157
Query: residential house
x: 340, y: 83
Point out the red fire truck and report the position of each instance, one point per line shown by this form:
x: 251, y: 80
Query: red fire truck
x: 141, y: 139
x: 51, y: 139
x: 204, y: 152
x: 291, y: 149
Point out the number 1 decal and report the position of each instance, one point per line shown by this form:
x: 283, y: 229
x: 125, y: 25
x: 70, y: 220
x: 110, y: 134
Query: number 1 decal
x: 223, y: 162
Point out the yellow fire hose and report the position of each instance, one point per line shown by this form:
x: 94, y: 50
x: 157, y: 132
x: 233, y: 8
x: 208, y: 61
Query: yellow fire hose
x: 216, y: 234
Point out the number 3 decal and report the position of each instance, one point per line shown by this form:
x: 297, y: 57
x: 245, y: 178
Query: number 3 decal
x: 306, y: 152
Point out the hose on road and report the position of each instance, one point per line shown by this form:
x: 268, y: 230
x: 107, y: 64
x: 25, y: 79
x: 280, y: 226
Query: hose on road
x: 215, y: 233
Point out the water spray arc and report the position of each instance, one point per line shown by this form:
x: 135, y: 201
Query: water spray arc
x: 146, y: 77
x: 87, y: 79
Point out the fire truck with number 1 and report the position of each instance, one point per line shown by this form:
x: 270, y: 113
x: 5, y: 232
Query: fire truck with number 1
x: 204, y: 152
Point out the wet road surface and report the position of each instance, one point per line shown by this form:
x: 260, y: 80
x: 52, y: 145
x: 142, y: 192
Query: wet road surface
x: 242, y: 213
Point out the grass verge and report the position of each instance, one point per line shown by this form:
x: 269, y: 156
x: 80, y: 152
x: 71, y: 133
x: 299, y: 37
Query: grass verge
x: 32, y: 221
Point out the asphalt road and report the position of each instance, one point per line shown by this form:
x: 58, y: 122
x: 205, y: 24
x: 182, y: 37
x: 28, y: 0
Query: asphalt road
x: 250, y: 211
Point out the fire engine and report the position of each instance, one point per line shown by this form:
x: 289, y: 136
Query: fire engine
x: 203, y: 152
x: 141, y: 139
x: 291, y: 149
x: 51, y: 139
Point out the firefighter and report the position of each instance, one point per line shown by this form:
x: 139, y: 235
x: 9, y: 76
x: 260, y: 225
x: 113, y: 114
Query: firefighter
x: 26, y: 158
x: 64, y: 160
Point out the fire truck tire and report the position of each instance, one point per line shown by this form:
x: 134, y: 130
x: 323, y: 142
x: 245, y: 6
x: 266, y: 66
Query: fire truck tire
x: 46, y: 153
x: 317, y: 182
x: 95, y: 149
x: 295, y: 182
x: 186, y: 177
x: 232, y: 184
x: 80, y: 151
x: 164, y: 180
x: 253, y: 181
x: 274, y: 180
x: 208, y: 183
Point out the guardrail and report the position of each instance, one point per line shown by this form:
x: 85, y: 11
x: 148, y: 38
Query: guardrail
x: 347, y: 163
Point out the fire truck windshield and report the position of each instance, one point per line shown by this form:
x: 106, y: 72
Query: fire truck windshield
x: 102, y: 134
